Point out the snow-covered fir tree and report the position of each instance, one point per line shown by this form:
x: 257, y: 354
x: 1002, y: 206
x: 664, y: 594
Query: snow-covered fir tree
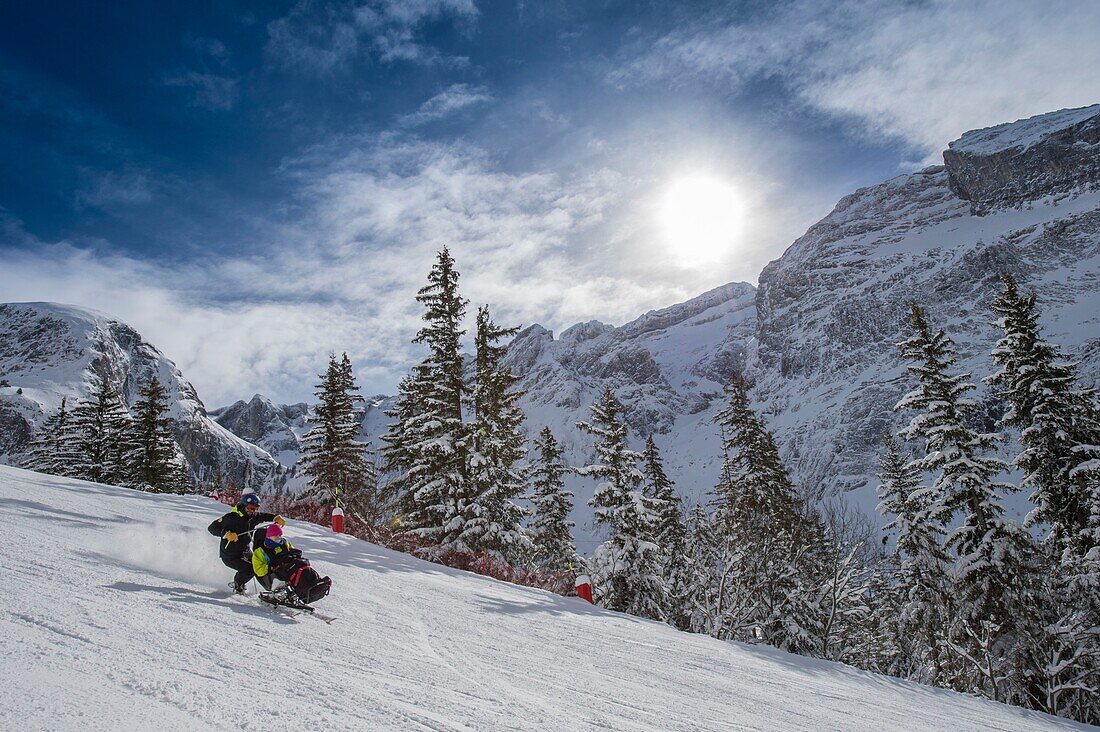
x: 994, y: 572
x: 426, y: 447
x: 920, y: 563
x: 496, y: 448
x: 773, y: 541
x: 626, y: 567
x: 1060, y: 434
x: 550, y: 527
x: 333, y: 458
x: 669, y: 531
x: 103, y: 437
x: 54, y: 450
x: 156, y: 467
x: 1058, y: 423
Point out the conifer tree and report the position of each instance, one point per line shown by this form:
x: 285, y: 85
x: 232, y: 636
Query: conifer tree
x: 53, y: 449
x: 427, y: 445
x: 921, y: 565
x: 550, y: 526
x: 626, y: 566
x: 180, y: 479
x: 669, y: 531
x: 103, y: 437
x: 496, y: 447
x: 401, y: 453
x: 994, y: 570
x: 155, y: 464
x: 762, y: 517
x: 1060, y: 434
x: 333, y: 458
x: 1058, y: 423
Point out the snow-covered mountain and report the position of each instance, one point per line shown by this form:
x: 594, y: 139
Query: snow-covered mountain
x: 667, y: 367
x: 277, y: 429
x: 818, y: 335
x: 1022, y: 198
x: 102, y: 628
x: 280, y: 428
x: 50, y: 351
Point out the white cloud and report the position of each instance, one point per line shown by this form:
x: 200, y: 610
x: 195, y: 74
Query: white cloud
x: 454, y: 98
x: 345, y: 276
x: 228, y: 350
x: 548, y: 246
x: 922, y: 72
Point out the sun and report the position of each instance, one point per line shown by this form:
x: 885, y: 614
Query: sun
x: 701, y: 218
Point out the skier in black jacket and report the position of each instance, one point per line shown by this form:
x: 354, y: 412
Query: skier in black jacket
x: 235, y: 529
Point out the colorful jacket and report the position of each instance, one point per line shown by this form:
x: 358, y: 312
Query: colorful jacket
x: 264, y: 557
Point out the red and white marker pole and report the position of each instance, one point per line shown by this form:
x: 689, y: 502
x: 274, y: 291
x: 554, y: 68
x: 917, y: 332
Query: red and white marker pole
x: 338, y: 520
x: 584, y: 587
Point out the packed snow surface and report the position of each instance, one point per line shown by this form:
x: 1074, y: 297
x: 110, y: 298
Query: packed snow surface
x: 116, y: 615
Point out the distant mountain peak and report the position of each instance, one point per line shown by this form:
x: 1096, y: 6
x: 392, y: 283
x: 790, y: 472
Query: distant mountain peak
x: 51, y: 351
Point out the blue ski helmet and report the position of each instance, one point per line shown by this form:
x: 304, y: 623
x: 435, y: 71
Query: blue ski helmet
x: 250, y: 499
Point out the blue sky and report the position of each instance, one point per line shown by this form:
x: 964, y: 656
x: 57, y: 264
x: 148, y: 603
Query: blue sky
x: 254, y: 185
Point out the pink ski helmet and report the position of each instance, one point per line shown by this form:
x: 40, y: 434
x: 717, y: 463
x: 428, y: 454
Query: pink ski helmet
x: 274, y: 532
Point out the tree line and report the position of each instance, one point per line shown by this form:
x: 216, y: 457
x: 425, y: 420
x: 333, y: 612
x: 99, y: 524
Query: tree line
x: 99, y: 440
x: 960, y: 596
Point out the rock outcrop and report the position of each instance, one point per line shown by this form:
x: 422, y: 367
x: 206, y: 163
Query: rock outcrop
x: 1011, y: 164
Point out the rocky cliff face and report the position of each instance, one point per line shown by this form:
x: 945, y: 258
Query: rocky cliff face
x: 277, y: 429
x: 1011, y: 164
x: 50, y: 351
x: 832, y: 308
x: 818, y: 336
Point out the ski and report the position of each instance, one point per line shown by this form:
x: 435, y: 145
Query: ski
x: 284, y: 601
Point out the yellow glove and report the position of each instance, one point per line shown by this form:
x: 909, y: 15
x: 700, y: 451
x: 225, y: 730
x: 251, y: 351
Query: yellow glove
x: 230, y: 537
x: 280, y: 520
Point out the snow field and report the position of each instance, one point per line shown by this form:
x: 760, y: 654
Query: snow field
x: 117, y: 617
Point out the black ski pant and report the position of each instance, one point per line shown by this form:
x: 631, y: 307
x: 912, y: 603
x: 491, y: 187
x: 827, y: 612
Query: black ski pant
x: 243, y: 564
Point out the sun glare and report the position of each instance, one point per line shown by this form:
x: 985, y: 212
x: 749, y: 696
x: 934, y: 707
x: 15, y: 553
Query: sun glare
x: 701, y: 217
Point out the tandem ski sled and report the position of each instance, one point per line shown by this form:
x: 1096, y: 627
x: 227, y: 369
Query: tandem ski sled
x: 302, y: 584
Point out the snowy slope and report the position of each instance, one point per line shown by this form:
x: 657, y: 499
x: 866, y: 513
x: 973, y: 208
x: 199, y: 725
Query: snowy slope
x: 49, y: 351
x: 116, y: 616
x: 1022, y: 134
